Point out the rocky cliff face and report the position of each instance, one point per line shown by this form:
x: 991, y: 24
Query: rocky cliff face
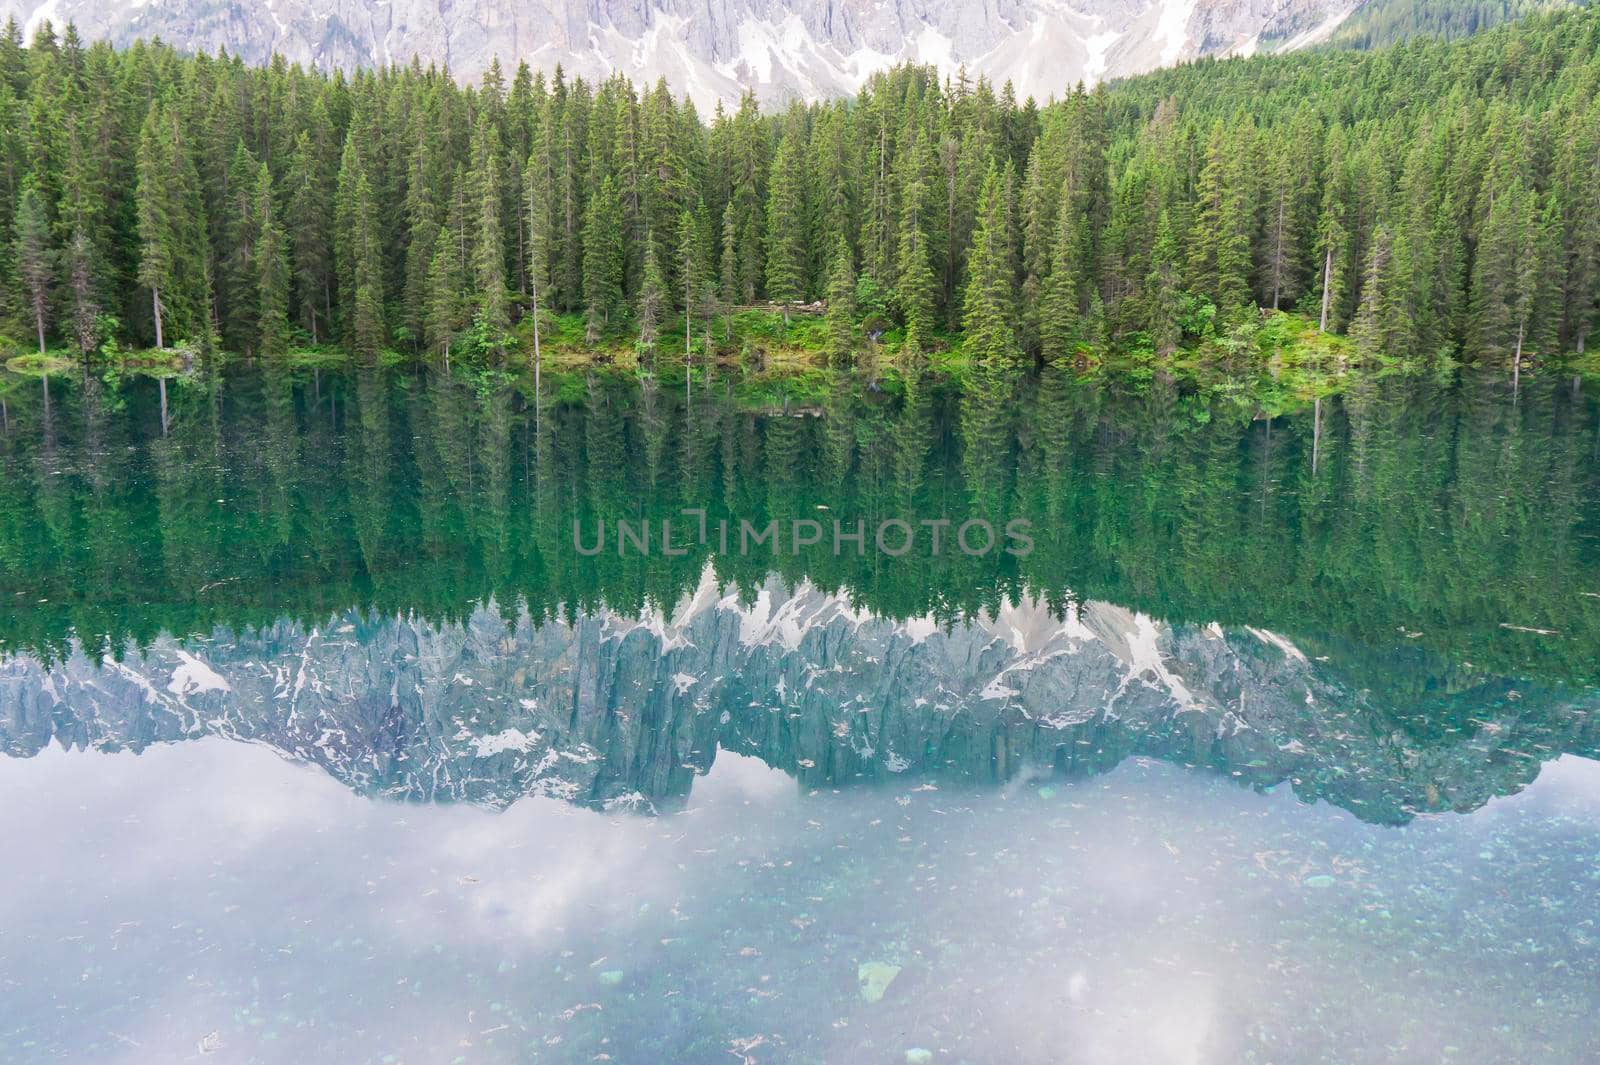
x: 781, y: 48
x: 614, y: 711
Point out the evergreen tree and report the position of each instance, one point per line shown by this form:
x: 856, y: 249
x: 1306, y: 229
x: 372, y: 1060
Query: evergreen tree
x: 307, y: 225
x: 653, y: 298
x: 367, y: 334
x: 694, y: 270
x: 991, y: 310
x: 842, y: 307
x: 786, y: 223
x: 1220, y: 240
x: 173, y: 248
x: 1161, y: 291
x: 602, y: 260
x: 446, y: 285
x: 917, y: 287
x: 272, y: 284
x: 83, y: 300
x: 240, y: 274
x: 36, y: 260
x: 488, y: 261
x: 1061, y: 310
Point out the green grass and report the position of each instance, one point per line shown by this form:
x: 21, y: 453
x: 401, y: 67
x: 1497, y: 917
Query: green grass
x: 1275, y: 362
x: 55, y: 363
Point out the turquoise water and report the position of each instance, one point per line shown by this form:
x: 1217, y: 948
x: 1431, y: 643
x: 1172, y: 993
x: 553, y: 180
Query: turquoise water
x: 327, y: 744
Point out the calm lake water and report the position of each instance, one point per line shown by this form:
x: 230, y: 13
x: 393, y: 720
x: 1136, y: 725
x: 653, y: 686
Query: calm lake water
x: 326, y: 742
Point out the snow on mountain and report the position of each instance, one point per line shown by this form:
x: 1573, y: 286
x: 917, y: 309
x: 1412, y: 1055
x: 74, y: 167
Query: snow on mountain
x: 714, y: 49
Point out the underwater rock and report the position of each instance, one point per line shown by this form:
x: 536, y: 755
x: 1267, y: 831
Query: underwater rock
x: 611, y: 977
x: 874, y: 978
x: 918, y: 1056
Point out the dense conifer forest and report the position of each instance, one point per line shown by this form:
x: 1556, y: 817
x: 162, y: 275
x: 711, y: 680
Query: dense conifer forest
x: 1426, y: 199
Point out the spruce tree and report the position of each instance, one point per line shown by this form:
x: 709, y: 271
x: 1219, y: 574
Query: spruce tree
x: 786, y: 222
x: 442, y: 319
x: 918, y: 287
x: 1061, y: 310
x: 603, y: 260
x: 272, y: 284
x: 173, y: 247
x: 1161, y: 291
x: 488, y: 255
x: 653, y: 298
x: 842, y: 307
x: 36, y: 259
x: 991, y: 310
x: 307, y: 226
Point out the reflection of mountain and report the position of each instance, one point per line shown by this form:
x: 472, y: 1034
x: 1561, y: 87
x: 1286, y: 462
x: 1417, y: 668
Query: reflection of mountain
x: 614, y: 711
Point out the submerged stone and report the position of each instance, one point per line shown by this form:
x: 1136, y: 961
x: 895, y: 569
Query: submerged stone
x: 874, y: 978
x: 918, y: 1056
x: 611, y: 977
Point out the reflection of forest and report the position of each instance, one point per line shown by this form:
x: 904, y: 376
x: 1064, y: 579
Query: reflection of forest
x: 1410, y: 520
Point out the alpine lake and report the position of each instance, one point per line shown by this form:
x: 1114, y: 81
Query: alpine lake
x: 327, y: 740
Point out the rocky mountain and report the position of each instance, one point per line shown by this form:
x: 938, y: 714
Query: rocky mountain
x: 616, y: 711
x: 713, y: 49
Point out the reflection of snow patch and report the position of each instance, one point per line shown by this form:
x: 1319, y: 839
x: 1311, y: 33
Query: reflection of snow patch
x: 1144, y: 657
x: 919, y: 629
x: 512, y: 739
x: 683, y: 682
x: 194, y: 676
x: 995, y: 690
x: 1289, y: 650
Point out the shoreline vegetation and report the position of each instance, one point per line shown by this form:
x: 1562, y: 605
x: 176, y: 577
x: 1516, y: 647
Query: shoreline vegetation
x: 1418, y: 207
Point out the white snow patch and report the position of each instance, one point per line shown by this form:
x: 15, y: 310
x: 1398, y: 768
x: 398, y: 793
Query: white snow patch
x: 1098, y: 45
x: 46, y: 10
x: 1173, y: 28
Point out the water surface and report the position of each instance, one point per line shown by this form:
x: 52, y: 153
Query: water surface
x: 327, y: 744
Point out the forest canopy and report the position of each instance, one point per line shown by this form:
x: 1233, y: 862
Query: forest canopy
x: 1427, y: 198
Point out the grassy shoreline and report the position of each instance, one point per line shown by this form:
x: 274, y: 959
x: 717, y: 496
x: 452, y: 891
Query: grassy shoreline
x: 1276, y: 361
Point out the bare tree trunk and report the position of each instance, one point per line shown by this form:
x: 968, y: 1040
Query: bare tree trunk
x: 1327, y: 289
x: 163, y: 383
x: 155, y: 307
x: 1516, y: 361
x: 38, y: 320
x: 537, y: 357
x: 1277, y: 256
